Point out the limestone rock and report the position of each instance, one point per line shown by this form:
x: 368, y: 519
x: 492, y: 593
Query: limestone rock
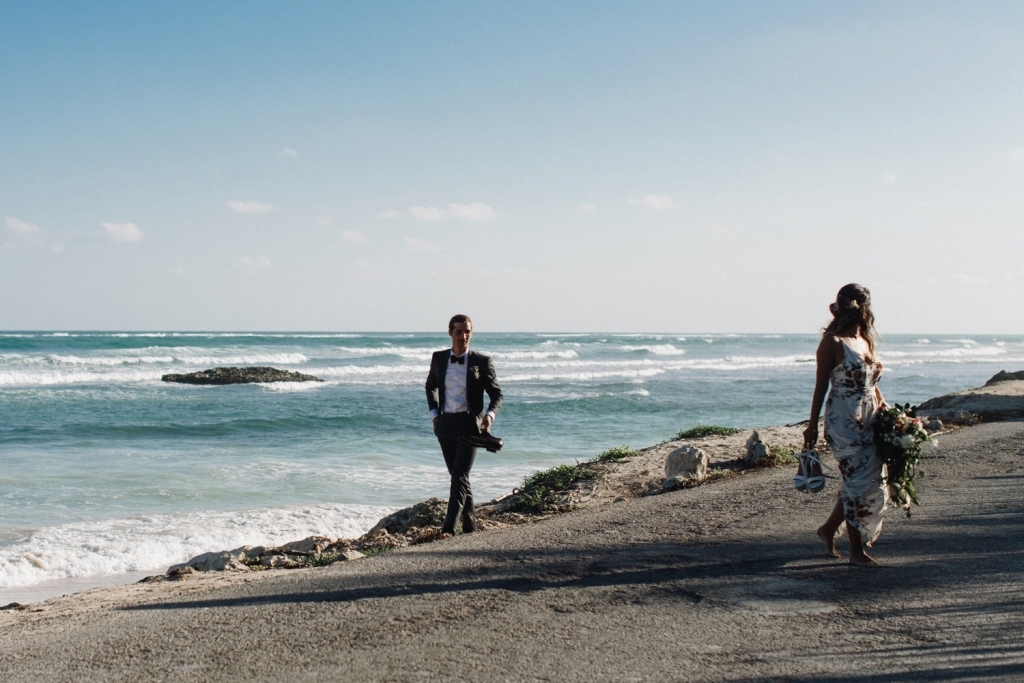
x: 382, y: 540
x: 232, y: 375
x: 349, y: 555
x: 933, y: 426
x: 685, y: 463
x: 757, y: 449
x: 430, y: 512
x: 314, y: 545
x: 1004, y: 376
x: 1002, y: 398
x: 226, y: 560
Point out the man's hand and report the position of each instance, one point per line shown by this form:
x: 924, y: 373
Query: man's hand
x: 485, y: 424
x: 436, y: 420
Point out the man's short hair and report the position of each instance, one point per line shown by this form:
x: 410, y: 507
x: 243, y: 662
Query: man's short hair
x: 458, y: 319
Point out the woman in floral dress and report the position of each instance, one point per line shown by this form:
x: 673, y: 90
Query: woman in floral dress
x: 846, y: 360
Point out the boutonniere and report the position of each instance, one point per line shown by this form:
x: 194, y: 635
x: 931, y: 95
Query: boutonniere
x: 475, y: 371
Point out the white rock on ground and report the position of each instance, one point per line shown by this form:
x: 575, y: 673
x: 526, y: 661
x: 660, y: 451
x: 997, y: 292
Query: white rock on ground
x: 757, y: 449
x: 685, y: 463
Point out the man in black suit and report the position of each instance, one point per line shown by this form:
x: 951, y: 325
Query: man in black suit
x: 455, y: 395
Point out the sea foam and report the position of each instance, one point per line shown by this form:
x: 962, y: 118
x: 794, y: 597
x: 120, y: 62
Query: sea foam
x: 151, y: 543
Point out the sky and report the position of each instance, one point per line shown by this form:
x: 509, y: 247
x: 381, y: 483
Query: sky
x: 570, y: 166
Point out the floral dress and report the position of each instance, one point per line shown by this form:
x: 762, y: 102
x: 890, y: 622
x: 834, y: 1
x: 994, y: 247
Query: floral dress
x: 849, y: 414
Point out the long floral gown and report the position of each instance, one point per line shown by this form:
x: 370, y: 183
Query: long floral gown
x: 849, y: 414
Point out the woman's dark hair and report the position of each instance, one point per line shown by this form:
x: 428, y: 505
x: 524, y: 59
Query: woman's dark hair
x: 852, y: 310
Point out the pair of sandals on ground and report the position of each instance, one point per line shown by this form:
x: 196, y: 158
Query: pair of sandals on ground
x: 810, y: 475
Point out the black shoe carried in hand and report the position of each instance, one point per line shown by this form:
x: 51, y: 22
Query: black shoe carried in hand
x: 485, y: 440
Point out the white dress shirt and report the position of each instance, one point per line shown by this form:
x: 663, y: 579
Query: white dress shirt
x: 455, y: 399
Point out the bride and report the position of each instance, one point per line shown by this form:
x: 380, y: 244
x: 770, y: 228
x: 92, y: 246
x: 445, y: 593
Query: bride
x: 846, y: 360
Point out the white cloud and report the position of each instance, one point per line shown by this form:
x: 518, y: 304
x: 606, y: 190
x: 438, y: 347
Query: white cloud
x: 721, y: 229
x: 655, y: 202
x: 431, y: 214
x: 1017, y: 154
x: 258, y: 263
x: 419, y: 245
x: 475, y: 212
x: 354, y: 236
x: 289, y: 152
x: 587, y: 208
x: 250, y: 207
x: 24, y: 234
x: 122, y: 232
x: 889, y: 177
x: 22, y: 228
x: 390, y: 215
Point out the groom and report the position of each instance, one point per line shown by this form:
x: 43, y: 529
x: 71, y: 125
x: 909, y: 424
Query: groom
x: 455, y: 395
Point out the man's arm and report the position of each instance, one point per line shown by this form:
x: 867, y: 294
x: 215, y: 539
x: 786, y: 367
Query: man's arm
x: 493, y: 388
x: 431, y: 387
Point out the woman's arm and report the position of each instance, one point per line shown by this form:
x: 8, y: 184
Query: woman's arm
x: 827, y: 358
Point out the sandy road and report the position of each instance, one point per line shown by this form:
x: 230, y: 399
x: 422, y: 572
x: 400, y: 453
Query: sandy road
x: 721, y: 583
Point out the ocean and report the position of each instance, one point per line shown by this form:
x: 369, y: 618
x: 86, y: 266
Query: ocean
x: 108, y: 474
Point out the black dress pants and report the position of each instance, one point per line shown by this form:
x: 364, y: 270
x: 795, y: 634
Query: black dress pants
x: 458, y: 457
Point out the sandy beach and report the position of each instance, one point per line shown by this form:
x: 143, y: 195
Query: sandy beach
x: 724, y: 581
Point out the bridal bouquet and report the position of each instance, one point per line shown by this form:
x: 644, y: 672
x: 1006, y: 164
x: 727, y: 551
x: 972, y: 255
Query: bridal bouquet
x: 899, y: 434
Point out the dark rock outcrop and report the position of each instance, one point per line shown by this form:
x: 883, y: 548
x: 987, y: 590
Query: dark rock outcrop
x: 240, y: 376
x: 1004, y: 376
x: 429, y: 513
x: 1002, y: 398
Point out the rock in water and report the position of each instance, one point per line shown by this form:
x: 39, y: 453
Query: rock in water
x: 240, y: 376
x: 685, y: 462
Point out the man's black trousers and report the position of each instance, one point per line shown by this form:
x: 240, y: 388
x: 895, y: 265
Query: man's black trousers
x: 458, y: 457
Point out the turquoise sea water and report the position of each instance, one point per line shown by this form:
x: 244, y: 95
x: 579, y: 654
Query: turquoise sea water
x: 105, y: 470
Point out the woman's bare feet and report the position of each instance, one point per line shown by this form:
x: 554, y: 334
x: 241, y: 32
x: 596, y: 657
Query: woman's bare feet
x: 830, y: 541
x: 863, y: 560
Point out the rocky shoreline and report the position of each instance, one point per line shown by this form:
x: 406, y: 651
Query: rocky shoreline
x: 693, y: 458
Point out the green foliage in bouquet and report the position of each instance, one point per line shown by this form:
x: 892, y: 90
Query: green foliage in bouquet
x: 899, y: 434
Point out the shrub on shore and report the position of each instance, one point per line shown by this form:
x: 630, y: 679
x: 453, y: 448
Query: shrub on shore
x: 619, y: 454
x: 537, y: 493
x: 705, y: 430
x: 777, y: 457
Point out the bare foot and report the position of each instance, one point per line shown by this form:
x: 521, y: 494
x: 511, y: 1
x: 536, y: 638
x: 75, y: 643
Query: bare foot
x: 830, y: 542
x: 444, y: 536
x: 863, y: 560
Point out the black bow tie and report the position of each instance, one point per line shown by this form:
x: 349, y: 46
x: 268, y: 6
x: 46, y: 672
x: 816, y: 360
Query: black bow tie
x: 461, y: 360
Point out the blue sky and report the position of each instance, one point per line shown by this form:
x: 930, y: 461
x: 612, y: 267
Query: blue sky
x: 541, y: 166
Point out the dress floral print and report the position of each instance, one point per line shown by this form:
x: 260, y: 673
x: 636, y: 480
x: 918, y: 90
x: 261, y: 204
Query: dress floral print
x: 849, y: 413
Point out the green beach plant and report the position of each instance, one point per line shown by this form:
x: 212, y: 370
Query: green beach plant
x: 538, y: 490
x: 620, y: 454
x: 777, y: 457
x: 702, y: 430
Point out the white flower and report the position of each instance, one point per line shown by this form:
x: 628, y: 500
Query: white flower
x: 907, y: 442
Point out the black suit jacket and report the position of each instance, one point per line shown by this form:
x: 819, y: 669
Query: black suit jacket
x: 480, y: 378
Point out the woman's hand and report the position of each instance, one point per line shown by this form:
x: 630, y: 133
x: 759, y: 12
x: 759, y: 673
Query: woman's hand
x: 811, y: 436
